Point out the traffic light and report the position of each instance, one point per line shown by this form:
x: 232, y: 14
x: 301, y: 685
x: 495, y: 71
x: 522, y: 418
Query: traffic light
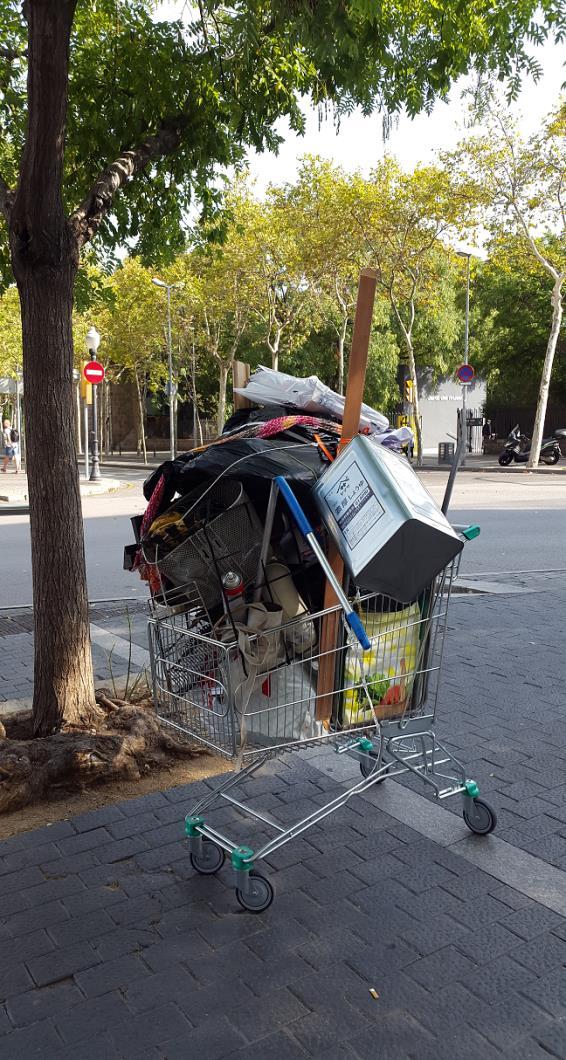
x: 86, y: 388
x: 408, y: 391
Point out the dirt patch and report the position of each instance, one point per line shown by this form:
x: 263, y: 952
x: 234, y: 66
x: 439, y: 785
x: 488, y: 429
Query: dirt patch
x: 65, y: 805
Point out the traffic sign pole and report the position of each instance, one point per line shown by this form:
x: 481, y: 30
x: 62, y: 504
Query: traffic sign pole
x: 93, y: 372
x: 95, y: 471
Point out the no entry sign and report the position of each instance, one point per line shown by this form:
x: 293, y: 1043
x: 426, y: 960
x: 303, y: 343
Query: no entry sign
x: 94, y: 372
x: 465, y: 373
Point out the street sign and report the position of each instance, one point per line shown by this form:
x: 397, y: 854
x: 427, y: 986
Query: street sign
x: 465, y: 373
x: 93, y: 372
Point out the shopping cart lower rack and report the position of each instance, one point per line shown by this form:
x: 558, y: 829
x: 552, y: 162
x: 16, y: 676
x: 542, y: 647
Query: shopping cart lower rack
x: 250, y: 693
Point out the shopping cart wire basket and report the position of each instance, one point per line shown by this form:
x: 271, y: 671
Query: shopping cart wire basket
x: 250, y: 693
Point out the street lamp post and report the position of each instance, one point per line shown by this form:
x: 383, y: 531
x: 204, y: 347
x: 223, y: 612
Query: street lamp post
x: 464, y: 426
x: 169, y: 287
x: 92, y: 344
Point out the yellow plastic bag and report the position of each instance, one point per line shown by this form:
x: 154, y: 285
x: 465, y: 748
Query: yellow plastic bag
x: 387, y: 670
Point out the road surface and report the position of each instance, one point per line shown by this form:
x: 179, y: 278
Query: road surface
x: 522, y: 519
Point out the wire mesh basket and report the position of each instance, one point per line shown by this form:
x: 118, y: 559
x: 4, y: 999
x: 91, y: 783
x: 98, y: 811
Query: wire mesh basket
x: 223, y: 533
x: 257, y: 690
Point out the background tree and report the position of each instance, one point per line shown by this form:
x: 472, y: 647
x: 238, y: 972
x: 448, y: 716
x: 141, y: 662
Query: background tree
x: 133, y: 335
x: 511, y: 317
x: 330, y: 244
x: 525, y: 183
x: 78, y: 126
x: 402, y: 218
x: 222, y: 309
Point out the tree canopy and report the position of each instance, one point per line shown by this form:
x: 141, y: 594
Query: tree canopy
x: 231, y: 71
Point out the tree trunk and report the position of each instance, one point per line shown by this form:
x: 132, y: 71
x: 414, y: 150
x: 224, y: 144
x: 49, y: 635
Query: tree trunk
x: 341, y: 344
x: 63, y: 679
x: 44, y: 256
x: 221, y: 416
x: 557, y: 310
x: 273, y: 348
x: 141, y: 415
x: 416, y: 413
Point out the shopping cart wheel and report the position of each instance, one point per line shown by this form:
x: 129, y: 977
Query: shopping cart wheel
x: 479, y: 817
x: 210, y: 860
x: 259, y: 896
x: 367, y: 767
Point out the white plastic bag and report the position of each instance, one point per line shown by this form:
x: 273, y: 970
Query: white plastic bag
x: 268, y: 387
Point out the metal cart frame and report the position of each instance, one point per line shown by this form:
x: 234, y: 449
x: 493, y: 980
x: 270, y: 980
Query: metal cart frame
x: 198, y: 683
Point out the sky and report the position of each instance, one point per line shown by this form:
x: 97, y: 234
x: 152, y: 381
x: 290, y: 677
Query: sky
x: 359, y: 143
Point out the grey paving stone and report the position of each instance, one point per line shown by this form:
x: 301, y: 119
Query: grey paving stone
x: 37, y: 1042
x: 71, y: 932
x: 85, y: 1020
x: 501, y: 977
x: 43, y: 1003
x: 94, y: 898
x: 397, y: 1035
x: 278, y: 1009
x: 32, y: 945
x: 120, y: 941
x: 549, y: 992
x: 534, y: 921
x: 318, y: 1032
x: 541, y: 954
x: 487, y: 943
x: 434, y: 933
x: 133, y: 825
x: 20, y: 881
x: 214, y: 1039
x: 14, y: 979
x: 510, y: 1020
x: 441, y: 967
x: 36, y: 919
x: 553, y: 1041
x: 111, y: 975
x: 86, y: 822
x: 172, y: 984
x: 61, y: 963
x: 100, y: 1045
x: 200, y: 1005
x: 89, y: 840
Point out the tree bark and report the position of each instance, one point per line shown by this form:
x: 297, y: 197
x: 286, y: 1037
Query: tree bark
x: 45, y: 259
x: 63, y: 679
x: 273, y: 348
x: 221, y: 415
x: 341, y: 344
x: 407, y: 332
x: 416, y: 412
x: 557, y: 310
x: 141, y: 414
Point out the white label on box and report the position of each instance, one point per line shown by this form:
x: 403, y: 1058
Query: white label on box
x: 354, y: 505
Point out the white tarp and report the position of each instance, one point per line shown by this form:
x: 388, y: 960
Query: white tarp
x: 268, y: 387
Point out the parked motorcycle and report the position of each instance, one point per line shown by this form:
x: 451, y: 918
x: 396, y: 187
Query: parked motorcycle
x: 518, y: 447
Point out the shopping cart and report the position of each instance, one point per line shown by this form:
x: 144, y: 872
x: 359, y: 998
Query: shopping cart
x: 251, y: 695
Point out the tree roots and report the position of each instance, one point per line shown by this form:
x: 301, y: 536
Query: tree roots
x: 127, y: 744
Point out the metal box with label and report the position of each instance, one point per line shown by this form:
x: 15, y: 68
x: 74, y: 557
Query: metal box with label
x: 392, y: 535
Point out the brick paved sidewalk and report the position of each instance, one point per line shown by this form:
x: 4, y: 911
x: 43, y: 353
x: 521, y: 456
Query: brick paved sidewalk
x: 113, y: 947
x: 113, y: 628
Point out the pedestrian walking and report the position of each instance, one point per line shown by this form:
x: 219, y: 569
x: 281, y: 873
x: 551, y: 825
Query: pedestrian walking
x: 11, y: 440
x: 486, y: 434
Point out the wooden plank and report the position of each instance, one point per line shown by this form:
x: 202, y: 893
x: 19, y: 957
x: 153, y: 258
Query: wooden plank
x: 240, y: 377
x: 350, y: 426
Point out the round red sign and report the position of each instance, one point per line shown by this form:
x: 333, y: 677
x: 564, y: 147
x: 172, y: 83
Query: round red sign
x: 93, y: 372
x: 465, y: 373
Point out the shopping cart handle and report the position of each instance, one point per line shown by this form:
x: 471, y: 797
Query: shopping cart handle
x: 294, y: 507
x: 357, y: 628
x: 469, y: 532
